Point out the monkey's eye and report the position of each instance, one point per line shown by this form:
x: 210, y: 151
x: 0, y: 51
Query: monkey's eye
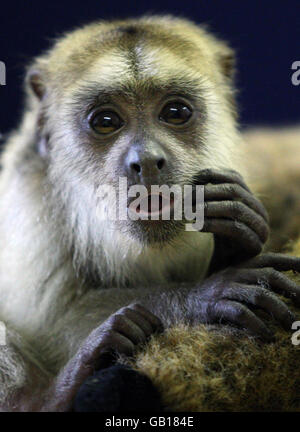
x: 175, y: 113
x: 106, y: 122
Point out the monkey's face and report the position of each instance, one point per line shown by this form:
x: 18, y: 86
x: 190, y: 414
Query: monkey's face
x: 151, y: 111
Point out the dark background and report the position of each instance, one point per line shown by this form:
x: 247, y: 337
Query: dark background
x: 265, y: 33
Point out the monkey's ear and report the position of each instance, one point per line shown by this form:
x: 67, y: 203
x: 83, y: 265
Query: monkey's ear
x: 35, y: 82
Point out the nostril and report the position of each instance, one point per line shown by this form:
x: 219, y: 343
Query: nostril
x: 160, y: 163
x: 136, y: 167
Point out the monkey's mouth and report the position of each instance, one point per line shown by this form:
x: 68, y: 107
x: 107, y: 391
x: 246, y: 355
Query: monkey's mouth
x: 153, y: 206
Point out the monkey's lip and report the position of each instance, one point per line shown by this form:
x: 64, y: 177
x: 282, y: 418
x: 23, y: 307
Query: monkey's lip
x: 154, y: 205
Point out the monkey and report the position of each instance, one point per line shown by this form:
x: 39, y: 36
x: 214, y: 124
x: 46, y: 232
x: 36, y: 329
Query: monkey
x: 152, y: 100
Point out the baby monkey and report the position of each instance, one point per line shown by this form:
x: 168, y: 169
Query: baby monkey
x: 151, y: 100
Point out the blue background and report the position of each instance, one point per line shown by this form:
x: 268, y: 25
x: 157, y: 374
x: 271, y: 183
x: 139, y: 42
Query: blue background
x: 266, y: 35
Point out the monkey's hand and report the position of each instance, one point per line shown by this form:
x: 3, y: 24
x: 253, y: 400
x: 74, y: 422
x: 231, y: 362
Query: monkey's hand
x: 119, y: 334
x: 234, y: 295
x: 234, y: 215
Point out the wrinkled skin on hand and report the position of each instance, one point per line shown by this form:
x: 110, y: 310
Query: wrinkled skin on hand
x: 234, y: 215
x: 121, y: 333
x: 234, y: 294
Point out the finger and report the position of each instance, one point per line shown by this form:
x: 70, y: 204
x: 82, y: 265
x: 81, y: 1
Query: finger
x: 99, y: 346
x: 278, y: 261
x: 263, y: 299
x: 215, y: 176
x: 239, y: 314
x: 115, y: 342
x: 98, y: 351
x: 239, y: 212
x: 149, y: 316
x: 237, y: 231
x: 229, y: 191
x: 120, y: 323
x: 139, y: 320
x: 271, y: 279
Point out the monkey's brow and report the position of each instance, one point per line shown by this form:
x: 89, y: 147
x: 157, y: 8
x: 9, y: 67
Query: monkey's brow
x: 95, y: 92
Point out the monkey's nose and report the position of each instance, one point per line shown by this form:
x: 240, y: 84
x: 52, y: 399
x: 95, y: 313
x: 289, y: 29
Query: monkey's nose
x: 145, y: 163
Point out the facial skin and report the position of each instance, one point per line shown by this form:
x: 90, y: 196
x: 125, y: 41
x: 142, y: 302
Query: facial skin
x: 144, y: 145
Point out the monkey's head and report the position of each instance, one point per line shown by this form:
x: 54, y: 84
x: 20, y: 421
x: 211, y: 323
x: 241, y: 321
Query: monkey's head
x: 149, y: 99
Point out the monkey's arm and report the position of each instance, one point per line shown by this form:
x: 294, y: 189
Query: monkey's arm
x: 234, y: 215
x: 226, y: 297
x: 119, y: 334
x: 231, y: 296
x: 26, y: 386
x: 235, y: 294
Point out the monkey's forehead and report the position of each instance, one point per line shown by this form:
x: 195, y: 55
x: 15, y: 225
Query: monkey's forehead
x: 140, y: 49
x: 142, y: 69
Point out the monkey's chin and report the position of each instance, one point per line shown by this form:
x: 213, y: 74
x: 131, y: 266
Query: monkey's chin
x: 154, y: 233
